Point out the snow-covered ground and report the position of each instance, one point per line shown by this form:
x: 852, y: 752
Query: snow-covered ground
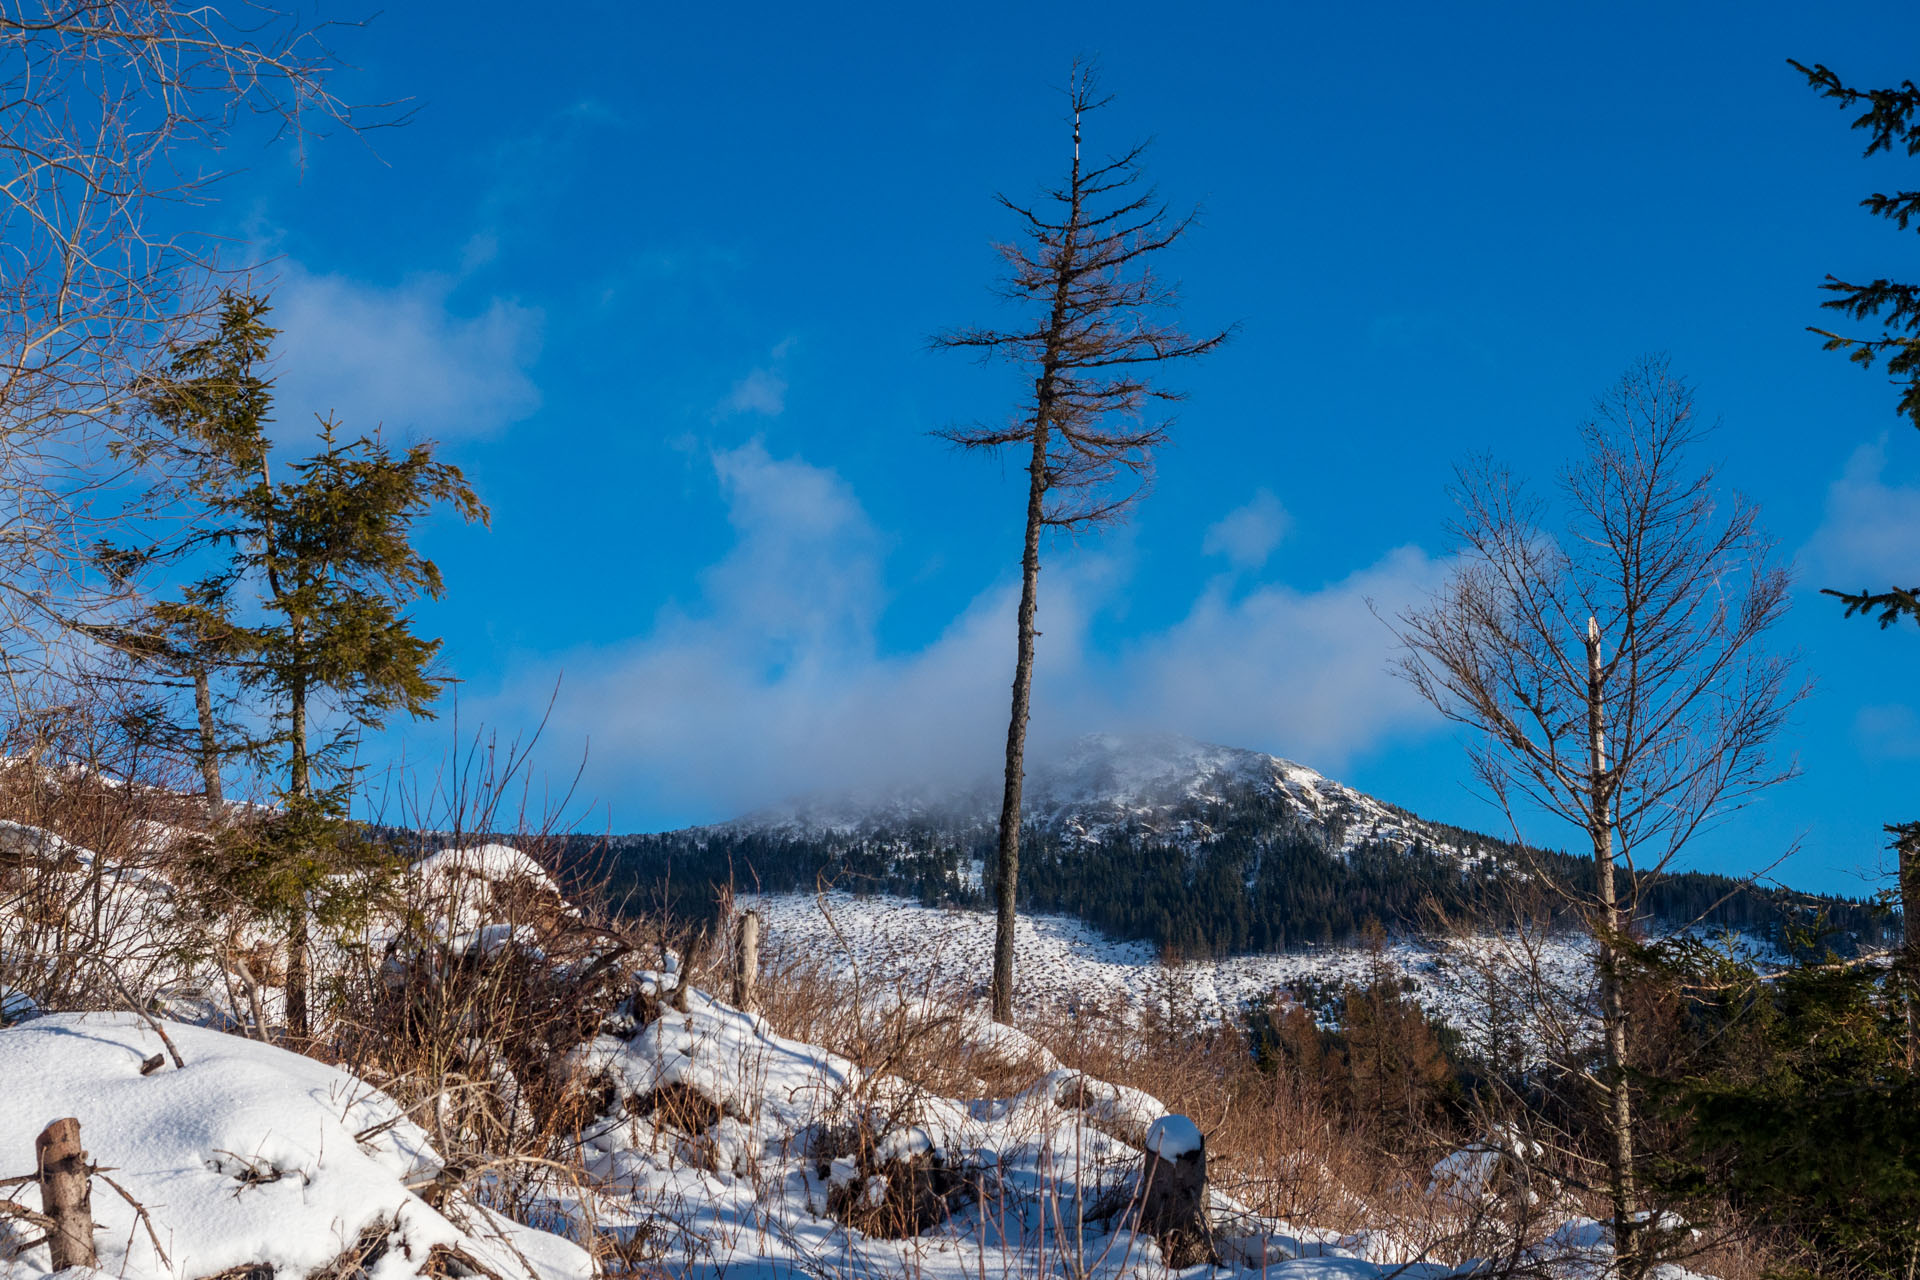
x: 709, y: 1145
x: 731, y: 1150
x: 724, y: 1149
x: 1061, y: 963
x: 248, y: 1156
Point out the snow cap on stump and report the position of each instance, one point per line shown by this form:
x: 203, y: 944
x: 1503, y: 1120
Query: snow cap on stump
x: 1174, y: 1136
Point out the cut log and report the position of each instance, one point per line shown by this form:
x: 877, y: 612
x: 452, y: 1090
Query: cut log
x: 1173, y: 1197
x: 66, y: 1194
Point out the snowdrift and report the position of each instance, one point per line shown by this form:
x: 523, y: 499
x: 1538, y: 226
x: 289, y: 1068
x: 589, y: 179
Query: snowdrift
x: 250, y: 1159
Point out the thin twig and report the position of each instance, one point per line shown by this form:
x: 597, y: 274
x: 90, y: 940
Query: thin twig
x: 151, y: 1021
x: 140, y: 1210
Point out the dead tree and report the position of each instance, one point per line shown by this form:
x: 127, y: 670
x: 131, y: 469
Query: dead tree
x: 1608, y: 650
x: 1093, y: 332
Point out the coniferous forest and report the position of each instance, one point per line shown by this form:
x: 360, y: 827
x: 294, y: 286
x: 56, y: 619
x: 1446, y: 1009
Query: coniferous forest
x: 1264, y: 880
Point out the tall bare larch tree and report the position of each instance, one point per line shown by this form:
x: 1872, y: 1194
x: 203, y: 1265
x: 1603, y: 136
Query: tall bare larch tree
x: 1609, y: 651
x: 1094, y: 330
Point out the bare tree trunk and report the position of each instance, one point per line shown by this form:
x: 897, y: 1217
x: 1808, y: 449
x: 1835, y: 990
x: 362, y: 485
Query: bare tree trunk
x: 298, y: 1023
x: 1088, y: 352
x: 1039, y: 480
x: 66, y: 1194
x: 1613, y: 1016
x: 1007, y: 885
x: 209, y: 742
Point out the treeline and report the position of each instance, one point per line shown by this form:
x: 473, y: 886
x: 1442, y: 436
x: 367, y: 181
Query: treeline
x: 1257, y: 877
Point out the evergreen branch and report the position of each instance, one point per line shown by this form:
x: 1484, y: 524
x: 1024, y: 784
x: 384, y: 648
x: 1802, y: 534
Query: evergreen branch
x: 1889, y: 114
x: 1892, y: 604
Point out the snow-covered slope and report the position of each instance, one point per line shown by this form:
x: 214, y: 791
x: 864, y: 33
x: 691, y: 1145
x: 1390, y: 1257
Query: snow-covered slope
x: 1164, y: 784
x: 1064, y: 965
x: 733, y: 1150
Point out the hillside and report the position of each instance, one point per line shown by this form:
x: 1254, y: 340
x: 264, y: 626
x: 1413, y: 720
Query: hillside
x: 1201, y: 849
x: 502, y: 1089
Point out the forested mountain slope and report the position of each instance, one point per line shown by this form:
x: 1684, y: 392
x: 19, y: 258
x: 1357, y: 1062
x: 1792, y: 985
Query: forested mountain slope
x: 1201, y: 849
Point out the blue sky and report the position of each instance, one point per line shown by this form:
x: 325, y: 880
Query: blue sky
x: 661, y: 279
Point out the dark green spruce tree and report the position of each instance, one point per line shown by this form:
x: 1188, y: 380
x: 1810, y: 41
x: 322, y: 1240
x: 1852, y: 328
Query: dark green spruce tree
x: 304, y: 608
x: 1800, y: 1105
x: 206, y: 437
x: 1888, y: 117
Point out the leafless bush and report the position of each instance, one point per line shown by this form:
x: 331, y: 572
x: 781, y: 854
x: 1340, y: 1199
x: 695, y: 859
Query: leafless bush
x: 91, y: 830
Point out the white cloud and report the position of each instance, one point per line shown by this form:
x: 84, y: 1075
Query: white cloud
x: 1303, y: 673
x: 1870, y: 533
x: 400, y: 355
x: 1887, y: 731
x: 772, y: 682
x: 763, y: 391
x: 1247, y: 535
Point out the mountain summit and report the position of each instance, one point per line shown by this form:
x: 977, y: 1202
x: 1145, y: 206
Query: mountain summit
x: 1164, y: 786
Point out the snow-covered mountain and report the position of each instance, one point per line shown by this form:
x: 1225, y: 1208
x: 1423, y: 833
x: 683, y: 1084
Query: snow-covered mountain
x: 1172, y: 788
x: 1188, y: 846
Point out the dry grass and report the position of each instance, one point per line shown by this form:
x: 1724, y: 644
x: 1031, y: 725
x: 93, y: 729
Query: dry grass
x: 1276, y: 1146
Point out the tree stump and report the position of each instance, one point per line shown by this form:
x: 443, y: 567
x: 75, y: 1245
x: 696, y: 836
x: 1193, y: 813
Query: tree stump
x: 66, y: 1194
x: 1173, y: 1198
x: 746, y: 961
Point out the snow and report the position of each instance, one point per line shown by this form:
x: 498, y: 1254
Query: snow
x: 815, y: 1139
x: 1103, y: 781
x: 808, y: 1147
x: 1064, y: 967
x: 1174, y: 1136
x: 465, y: 893
x: 16, y: 1006
x: 249, y: 1155
x: 496, y: 864
x: 732, y: 1059
x: 722, y: 1147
